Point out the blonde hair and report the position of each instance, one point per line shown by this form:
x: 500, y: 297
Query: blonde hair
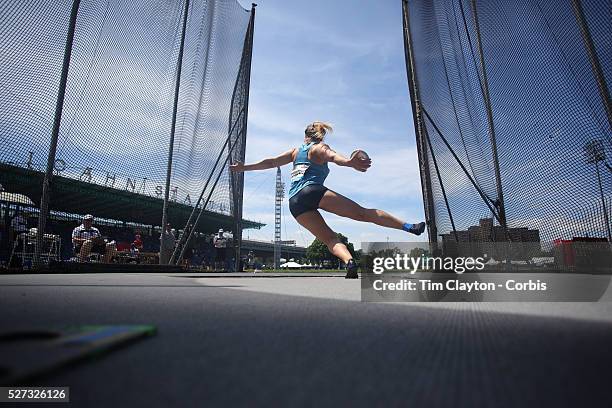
x: 316, y: 131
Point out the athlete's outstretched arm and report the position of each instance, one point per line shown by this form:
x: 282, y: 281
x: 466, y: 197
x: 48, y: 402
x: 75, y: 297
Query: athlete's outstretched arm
x: 268, y: 163
x: 326, y: 154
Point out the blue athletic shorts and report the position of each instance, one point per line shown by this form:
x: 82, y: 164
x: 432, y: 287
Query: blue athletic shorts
x: 307, y: 199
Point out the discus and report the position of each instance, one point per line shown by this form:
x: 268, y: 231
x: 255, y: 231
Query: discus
x: 360, y: 154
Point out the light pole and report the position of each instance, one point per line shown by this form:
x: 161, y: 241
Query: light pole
x: 278, y: 201
x: 594, y: 152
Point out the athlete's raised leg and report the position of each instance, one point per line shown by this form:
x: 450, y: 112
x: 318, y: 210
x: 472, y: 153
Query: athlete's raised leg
x: 313, y: 222
x: 345, y: 207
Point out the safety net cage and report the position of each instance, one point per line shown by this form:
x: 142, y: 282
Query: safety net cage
x: 513, y: 120
x: 131, y: 111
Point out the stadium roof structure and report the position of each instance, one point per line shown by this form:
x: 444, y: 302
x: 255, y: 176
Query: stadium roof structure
x: 73, y: 196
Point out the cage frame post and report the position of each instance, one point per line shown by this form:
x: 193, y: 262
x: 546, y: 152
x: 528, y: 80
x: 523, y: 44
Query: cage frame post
x: 593, y: 58
x: 177, y: 85
x: 500, y: 204
x: 57, y: 120
x: 202, y: 209
x: 415, y: 102
x: 246, y: 59
x: 173, y: 258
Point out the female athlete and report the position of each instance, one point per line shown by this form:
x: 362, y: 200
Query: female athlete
x: 307, y: 193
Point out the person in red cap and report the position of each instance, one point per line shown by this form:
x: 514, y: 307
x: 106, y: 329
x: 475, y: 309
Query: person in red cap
x: 137, y: 244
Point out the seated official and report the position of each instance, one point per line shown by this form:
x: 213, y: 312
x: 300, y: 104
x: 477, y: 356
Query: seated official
x: 87, y: 239
x: 19, y: 225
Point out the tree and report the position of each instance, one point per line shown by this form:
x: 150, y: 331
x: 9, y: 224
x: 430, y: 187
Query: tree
x: 418, y: 252
x: 317, y: 251
x: 358, y: 254
x: 349, y: 245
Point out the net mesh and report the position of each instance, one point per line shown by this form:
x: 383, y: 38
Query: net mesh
x: 529, y: 62
x: 113, y: 145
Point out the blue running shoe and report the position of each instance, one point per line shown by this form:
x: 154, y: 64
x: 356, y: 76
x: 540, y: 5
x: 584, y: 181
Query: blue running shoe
x: 417, y: 229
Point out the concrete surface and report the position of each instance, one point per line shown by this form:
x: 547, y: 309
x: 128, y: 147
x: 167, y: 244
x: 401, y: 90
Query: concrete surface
x: 303, y: 341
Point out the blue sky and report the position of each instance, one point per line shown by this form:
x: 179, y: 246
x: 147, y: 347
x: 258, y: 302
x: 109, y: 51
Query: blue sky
x: 341, y: 62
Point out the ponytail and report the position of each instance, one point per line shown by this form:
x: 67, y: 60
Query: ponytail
x: 316, y: 131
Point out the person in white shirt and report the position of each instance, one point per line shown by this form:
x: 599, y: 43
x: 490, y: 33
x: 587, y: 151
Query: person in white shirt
x: 86, y: 239
x: 220, y: 243
x: 19, y: 223
x: 168, y: 242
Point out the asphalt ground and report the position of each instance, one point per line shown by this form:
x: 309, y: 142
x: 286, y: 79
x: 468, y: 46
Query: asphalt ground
x: 261, y: 340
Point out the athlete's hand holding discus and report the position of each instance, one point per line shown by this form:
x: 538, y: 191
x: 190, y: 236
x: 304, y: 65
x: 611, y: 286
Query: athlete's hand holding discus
x: 307, y: 193
x: 360, y: 160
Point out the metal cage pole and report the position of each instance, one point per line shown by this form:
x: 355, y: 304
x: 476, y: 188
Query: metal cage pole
x: 487, y: 100
x: 59, y: 106
x: 415, y: 102
x: 488, y: 202
x: 593, y: 58
x: 203, y: 208
x: 187, y: 237
x: 247, y: 57
x: 175, y: 253
x: 435, y: 162
x: 179, y: 66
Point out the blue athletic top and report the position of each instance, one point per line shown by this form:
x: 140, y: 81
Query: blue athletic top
x: 305, y: 171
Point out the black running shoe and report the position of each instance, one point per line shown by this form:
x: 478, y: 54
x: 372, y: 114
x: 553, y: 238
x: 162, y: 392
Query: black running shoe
x: 417, y: 229
x: 351, y: 270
